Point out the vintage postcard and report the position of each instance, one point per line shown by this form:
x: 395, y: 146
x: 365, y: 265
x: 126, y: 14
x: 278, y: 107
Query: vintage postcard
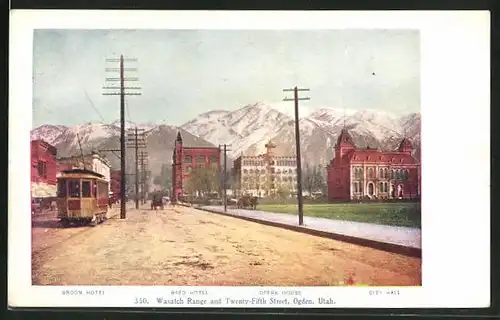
x: 210, y: 159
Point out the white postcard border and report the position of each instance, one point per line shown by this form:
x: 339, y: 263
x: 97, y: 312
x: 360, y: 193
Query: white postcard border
x: 455, y: 85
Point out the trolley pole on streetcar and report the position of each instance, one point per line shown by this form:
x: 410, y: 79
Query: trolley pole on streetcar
x: 121, y: 91
x: 136, y: 140
x: 225, y: 149
x: 297, y: 148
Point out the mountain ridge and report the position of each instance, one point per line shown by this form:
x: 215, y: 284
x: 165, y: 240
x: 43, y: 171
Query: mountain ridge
x: 247, y: 130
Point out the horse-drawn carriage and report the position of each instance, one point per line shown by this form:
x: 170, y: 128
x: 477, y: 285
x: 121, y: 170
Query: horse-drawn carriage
x: 157, y: 201
x: 247, y: 201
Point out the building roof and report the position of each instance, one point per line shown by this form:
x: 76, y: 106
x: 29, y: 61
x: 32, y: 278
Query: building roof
x: 179, y: 138
x: 377, y: 156
x: 345, y: 137
x: 405, y: 144
x: 50, y: 148
x: 373, y: 155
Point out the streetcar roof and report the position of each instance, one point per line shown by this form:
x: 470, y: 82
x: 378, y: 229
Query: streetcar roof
x: 83, y: 173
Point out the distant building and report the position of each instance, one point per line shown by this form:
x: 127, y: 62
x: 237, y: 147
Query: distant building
x: 43, y: 169
x: 264, y: 175
x: 184, y: 159
x: 114, y: 183
x: 92, y: 161
x: 357, y: 173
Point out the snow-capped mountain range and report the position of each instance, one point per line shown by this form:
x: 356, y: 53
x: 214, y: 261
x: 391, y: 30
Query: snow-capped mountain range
x: 247, y: 130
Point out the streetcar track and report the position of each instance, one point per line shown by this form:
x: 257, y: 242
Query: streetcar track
x: 71, y: 236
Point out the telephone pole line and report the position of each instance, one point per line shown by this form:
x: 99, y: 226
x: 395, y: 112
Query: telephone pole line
x: 136, y: 140
x: 225, y: 149
x: 297, y: 147
x: 121, y: 91
x: 143, y: 158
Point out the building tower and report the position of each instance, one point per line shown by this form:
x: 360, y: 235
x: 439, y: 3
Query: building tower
x: 405, y: 146
x: 345, y: 143
x: 269, y: 162
x: 177, y: 168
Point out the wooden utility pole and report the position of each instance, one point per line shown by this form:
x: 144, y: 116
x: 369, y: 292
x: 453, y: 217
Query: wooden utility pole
x: 137, y: 141
x: 143, y: 158
x: 122, y: 93
x: 297, y: 147
x: 224, y: 175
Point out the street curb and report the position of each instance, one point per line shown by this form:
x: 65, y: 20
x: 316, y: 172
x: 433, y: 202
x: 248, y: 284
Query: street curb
x: 379, y: 245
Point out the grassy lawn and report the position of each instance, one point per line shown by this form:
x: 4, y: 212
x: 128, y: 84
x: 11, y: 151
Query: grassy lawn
x: 394, y: 214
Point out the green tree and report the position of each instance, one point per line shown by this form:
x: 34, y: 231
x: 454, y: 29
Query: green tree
x: 283, y: 191
x: 203, y: 181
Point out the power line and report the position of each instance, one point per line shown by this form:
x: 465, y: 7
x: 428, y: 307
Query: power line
x: 297, y: 147
x: 98, y: 113
x: 143, y: 158
x: 122, y: 92
x: 224, y: 174
x: 136, y: 140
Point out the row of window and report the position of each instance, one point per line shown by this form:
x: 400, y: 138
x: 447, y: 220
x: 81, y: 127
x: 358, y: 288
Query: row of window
x: 280, y: 163
x: 272, y: 179
x: 251, y: 186
x: 200, y: 159
x: 271, y: 170
x: 189, y: 168
x: 82, y: 188
x: 358, y: 187
x: 384, y: 173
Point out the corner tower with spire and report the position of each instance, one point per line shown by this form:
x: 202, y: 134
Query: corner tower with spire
x: 177, y: 168
x: 369, y: 173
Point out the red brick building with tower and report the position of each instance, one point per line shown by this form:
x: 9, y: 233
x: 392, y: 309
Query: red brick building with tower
x: 43, y: 169
x: 356, y: 173
x: 184, y: 159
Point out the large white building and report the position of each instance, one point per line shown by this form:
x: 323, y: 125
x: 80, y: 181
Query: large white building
x: 265, y: 175
x: 93, y: 162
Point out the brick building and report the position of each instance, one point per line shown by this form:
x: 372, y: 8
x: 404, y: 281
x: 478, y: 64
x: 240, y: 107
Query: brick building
x: 265, y: 174
x: 357, y: 173
x: 184, y: 159
x: 43, y: 169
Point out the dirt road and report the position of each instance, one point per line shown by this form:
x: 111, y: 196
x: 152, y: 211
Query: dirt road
x: 185, y: 246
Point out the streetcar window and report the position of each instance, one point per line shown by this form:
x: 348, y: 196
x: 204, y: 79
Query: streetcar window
x: 86, y: 190
x: 94, y: 186
x: 74, y: 188
x: 61, y: 188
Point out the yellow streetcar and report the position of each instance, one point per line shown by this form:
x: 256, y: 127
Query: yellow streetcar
x: 82, y: 197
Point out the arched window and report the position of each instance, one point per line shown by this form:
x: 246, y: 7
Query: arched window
x: 406, y: 173
x: 245, y: 171
x: 370, y: 173
x: 251, y: 171
x: 386, y: 189
x: 381, y: 187
x: 385, y: 173
x: 392, y: 176
x: 398, y: 174
x: 381, y: 174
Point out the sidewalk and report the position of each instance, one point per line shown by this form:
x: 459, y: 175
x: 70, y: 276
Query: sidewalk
x: 401, y: 240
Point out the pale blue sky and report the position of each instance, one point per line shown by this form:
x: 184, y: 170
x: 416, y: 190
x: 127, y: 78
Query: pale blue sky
x: 186, y: 72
